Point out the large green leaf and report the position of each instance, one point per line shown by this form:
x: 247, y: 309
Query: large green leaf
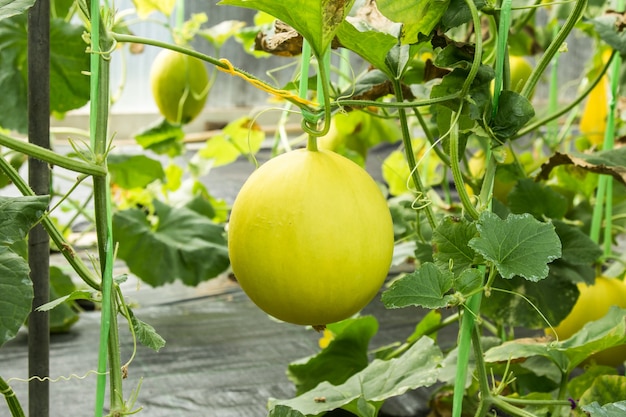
x: 514, y: 111
x: 426, y: 287
x: 450, y: 242
x: 519, y: 245
x: 604, y: 390
x: 416, y: 16
x: 134, y: 171
x: 183, y: 245
x: 528, y: 196
x: 617, y: 409
x: 69, y: 87
x: 17, y: 216
x: 16, y: 293
x: 580, y: 254
x: 316, y: 20
x: 162, y: 138
x: 515, y: 301
x: 608, y: 28
x: 10, y: 8
x: 593, y: 337
x: 345, y: 355
x: 371, y: 45
x: 367, y: 389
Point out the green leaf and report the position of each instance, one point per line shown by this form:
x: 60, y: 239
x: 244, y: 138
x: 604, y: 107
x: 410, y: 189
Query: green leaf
x: 458, y: 13
x: 239, y: 137
x: 16, y: 293
x: 417, y: 367
x: 426, y: 287
x: 416, y: 16
x: 605, y: 390
x: 162, y: 138
x: 134, y: 171
x: 316, y: 20
x: 371, y: 45
x: 595, y: 336
x: 607, y: 28
x: 611, y: 162
x: 579, y: 256
x: 346, y: 354
x: 519, y: 245
x: 57, y: 301
x: 64, y: 316
x: 146, y: 334
x: 183, y: 245
x: 284, y: 411
x: 617, y: 409
x: 69, y: 87
x: 10, y: 8
x: 451, y: 244
x: 528, y: 196
x: 514, y: 111
x: 480, y: 91
x: 581, y: 383
x: 517, y: 301
x: 17, y: 216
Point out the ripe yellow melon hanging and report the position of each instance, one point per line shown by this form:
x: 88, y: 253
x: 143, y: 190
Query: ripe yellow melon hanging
x: 310, y: 237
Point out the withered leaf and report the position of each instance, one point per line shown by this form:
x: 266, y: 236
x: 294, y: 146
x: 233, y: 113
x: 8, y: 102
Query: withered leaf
x: 609, y: 162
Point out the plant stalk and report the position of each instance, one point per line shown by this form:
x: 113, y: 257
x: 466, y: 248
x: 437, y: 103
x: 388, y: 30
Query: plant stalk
x: 554, y: 47
x: 101, y: 43
x: 12, y: 402
x: 409, y: 154
x: 51, y: 157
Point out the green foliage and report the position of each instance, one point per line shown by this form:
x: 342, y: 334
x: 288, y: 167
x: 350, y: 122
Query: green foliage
x: 364, y: 392
x: 567, y: 354
x: 145, y: 333
x: 518, y: 245
x: 317, y: 21
x: 416, y: 17
x: 345, y: 355
x: 10, y: 8
x: 69, y: 87
x: 183, y: 244
x: 134, y: 171
x: 17, y: 216
x: 162, y: 138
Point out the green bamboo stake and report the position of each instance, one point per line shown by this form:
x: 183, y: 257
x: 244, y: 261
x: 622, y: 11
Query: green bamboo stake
x: 98, y: 135
x: 470, y: 310
x: 553, y: 96
x: 604, y: 192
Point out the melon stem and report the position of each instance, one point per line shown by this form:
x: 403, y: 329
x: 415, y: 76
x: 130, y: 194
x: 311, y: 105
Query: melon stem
x: 311, y: 144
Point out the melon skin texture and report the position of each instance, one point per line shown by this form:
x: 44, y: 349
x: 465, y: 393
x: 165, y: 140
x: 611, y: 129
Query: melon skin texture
x: 177, y: 78
x: 310, y: 237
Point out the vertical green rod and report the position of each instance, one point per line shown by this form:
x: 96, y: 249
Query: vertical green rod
x: 39, y: 180
x: 98, y: 145
x: 470, y: 310
x: 553, y: 127
x: 604, y: 192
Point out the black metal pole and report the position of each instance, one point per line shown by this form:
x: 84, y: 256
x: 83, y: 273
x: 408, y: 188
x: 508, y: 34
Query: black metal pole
x: 39, y: 180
